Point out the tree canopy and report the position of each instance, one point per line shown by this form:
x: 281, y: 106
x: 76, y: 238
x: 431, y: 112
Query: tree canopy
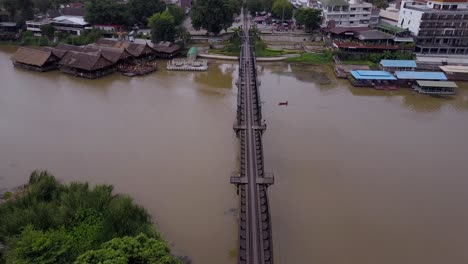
x: 51, y: 223
x: 379, y: 3
x: 139, y: 249
x: 141, y: 10
x: 163, y: 27
x: 212, y: 15
x: 177, y: 13
x: 282, y: 9
x: 308, y: 17
x: 18, y: 10
x: 106, y: 12
x: 255, y: 6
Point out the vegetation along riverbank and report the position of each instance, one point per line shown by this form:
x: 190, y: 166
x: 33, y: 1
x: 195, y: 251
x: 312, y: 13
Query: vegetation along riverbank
x: 46, y: 221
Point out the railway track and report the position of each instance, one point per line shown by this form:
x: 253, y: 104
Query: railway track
x: 255, y: 240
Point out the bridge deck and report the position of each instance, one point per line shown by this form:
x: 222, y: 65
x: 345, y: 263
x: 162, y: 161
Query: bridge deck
x: 255, y: 241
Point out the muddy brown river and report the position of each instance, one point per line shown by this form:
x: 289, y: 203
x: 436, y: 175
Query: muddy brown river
x: 361, y: 176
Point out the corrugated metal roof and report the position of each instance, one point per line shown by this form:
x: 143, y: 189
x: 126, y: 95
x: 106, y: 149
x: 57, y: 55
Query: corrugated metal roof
x: 414, y: 75
x: 454, y: 68
x: 398, y: 63
x: 441, y: 84
x: 372, y: 75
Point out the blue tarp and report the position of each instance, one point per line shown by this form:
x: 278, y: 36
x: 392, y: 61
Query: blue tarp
x: 414, y: 75
x: 398, y: 63
x: 372, y: 75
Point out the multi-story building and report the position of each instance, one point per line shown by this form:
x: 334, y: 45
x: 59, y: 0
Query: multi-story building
x: 438, y: 26
x: 352, y: 13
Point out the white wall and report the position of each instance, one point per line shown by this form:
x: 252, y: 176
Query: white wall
x: 410, y: 19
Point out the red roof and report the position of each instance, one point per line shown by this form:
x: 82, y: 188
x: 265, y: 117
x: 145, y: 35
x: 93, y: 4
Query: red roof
x: 351, y: 45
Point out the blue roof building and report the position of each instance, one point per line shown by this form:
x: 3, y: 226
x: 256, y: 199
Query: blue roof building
x: 398, y: 63
x: 372, y: 75
x: 413, y: 75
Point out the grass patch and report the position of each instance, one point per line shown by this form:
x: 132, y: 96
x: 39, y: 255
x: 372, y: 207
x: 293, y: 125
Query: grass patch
x: 313, y: 58
x: 223, y: 52
x: 361, y: 62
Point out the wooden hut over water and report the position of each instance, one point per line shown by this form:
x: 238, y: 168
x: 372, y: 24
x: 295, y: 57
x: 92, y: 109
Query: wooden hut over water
x: 56, y: 52
x: 140, y: 52
x: 34, y: 59
x: 166, y: 50
x: 87, y: 65
x: 116, y: 55
x: 435, y: 87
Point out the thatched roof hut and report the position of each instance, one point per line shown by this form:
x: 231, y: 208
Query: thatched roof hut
x: 34, y: 59
x: 115, y: 55
x: 166, y: 49
x: 88, y: 65
x: 135, y: 49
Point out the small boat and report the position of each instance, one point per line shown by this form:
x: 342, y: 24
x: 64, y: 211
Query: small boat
x: 283, y: 103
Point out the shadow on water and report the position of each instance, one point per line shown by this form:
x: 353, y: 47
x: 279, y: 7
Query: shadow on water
x: 219, y: 76
x: 305, y: 73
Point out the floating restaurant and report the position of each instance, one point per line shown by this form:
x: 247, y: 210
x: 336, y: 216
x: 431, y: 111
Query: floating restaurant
x: 87, y: 65
x: 365, y: 78
x: 140, y: 52
x: 398, y: 65
x: 34, y: 59
x: 166, y: 50
x: 455, y: 72
x: 408, y: 78
x: 435, y: 87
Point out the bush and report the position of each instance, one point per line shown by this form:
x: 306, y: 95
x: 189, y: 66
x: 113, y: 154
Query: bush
x: 49, y: 222
x: 7, y: 195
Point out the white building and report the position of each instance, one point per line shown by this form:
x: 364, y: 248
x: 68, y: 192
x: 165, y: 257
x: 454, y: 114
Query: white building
x: 352, y: 13
x: 35, y: 25
x: 437, y: 26
x: 71, y: 24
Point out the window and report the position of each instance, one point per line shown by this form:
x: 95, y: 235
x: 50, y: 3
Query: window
x: 352, y: 15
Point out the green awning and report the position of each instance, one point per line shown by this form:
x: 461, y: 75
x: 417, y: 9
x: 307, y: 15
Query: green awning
x: 391, y: 28
x: 439, y: 84
x: 193, y: 51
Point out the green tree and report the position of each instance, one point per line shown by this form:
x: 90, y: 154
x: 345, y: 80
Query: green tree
x: 49, y: 247
x: 42, y: 5
x: 235, y: 6
x: 11, y: 7
x: 177, y: 13
x: 379, y: 3
x: 255, y: 6
x: 139, y: 249
x: 268, y: 5
x: 212, y: 15
x: 106, y: 12
x: 309, y: 18
x: 141, y: 10
x: 48, y: 30
x: 282, y: 9
x: 163, y: 27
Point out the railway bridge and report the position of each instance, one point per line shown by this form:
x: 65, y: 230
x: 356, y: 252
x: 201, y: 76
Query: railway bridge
x: 255, y: 231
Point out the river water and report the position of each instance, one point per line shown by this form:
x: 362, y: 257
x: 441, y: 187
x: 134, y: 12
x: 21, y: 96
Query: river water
x: 361, y: 176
